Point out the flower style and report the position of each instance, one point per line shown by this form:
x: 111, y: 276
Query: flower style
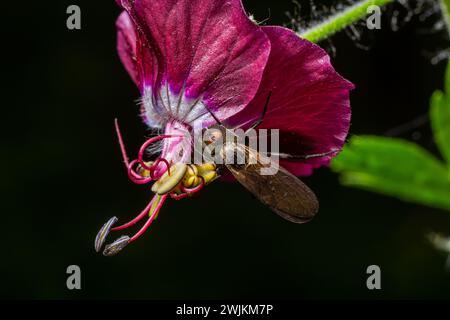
x: 197, y: 62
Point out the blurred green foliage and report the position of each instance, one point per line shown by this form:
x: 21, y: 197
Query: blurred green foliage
x: 400, y: 168
x: 440, y: 118
x: 445, y: 9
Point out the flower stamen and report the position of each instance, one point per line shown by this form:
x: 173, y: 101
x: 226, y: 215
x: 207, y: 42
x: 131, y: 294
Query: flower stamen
x: 169, y: 181
x: 155, y: 166
x: 117, y: 246
x: 112, y: 249
x: 159, y: 200
x: 195, y: 189
x: 132, y: 174
x: 103, y: 233
x: 187, y: 192
x: 122, y: 144
x: 137, y: 219
x: 157, y: 162
x: 136, y: 177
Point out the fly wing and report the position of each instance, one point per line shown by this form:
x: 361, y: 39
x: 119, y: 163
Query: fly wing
x: 282, y: 192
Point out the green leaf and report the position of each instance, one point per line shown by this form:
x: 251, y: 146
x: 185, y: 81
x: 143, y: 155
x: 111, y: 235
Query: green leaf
x: 440, y: 118
x: 394, y: 167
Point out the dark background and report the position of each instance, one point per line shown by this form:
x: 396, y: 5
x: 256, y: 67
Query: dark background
x: 62, y: 177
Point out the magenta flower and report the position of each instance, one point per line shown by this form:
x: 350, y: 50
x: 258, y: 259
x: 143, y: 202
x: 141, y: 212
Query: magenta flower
x: 199, y: 61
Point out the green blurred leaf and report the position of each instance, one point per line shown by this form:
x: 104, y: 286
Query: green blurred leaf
x: 394, y: 167
x: 440, y: 118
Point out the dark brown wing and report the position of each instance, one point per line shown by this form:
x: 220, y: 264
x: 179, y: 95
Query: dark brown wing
x: 282, y: 192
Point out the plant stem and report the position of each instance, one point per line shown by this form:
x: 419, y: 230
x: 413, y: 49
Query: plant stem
x: 341, y: 20
x: 445, y: 8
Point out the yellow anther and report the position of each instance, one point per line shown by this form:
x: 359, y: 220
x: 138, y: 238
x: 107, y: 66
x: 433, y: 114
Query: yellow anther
x: 177, y: 190
x: 190, y: 181
x: 192, y: 170
x: 196, y: 174
x: 209, y: 176
x: 188, y: 176
x: 208, y: 172
x: 167, y: 182
x: 207, y: 167
x: 143, y: 172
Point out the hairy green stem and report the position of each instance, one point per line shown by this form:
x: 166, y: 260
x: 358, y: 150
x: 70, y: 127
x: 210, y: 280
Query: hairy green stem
x: 341, y: 20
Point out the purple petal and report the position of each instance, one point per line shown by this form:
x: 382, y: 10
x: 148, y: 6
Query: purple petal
x: 204, y: 49
x: 126, y: 45
x: 310, y: 100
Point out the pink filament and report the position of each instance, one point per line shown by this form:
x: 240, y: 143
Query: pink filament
x: 132, y: 174
x: 155, y: 166
x: 134, y: 177
x: 150, y: 220
x: 194, y: 190
x: 188, y: 192
x: 137, y: 219
x: 138, y: 179
x: 178, y: 197
x: 121, y: 144
x: 144, y: 148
